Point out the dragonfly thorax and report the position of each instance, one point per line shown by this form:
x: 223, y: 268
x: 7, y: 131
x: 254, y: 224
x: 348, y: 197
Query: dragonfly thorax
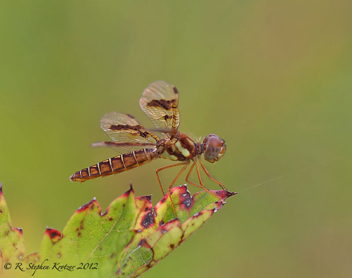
x: 178, y: 148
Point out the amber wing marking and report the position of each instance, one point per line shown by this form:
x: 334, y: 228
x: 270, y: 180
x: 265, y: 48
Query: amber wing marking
x: 126, y: 132
x: 160, y: 103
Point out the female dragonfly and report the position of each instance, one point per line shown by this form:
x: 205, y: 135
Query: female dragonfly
x: 138, y: 145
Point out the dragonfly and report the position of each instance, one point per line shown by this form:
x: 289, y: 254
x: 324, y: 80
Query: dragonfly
x: 138, y: 145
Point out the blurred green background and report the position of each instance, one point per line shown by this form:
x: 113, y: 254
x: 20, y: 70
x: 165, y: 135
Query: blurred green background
x: 272, y: 78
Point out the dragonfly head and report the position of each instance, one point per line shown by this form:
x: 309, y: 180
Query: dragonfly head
x: 214, y: 148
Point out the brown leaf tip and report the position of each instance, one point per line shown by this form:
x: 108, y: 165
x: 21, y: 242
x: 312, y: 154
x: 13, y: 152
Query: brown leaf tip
x: 19, y: 230
x: 128, y: 192
x: 54, y: 234
x: 229, y: 194
x: 88, y: 205
x: 224, y: 194
x: 0, y: 187
x: 148, y: 197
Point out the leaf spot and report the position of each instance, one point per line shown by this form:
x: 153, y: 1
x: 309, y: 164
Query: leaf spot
x: 187, y: 202
x: 148, y: 220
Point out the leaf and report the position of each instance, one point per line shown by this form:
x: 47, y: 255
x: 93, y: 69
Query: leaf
x: 11, y: 239
x: 125, y: 241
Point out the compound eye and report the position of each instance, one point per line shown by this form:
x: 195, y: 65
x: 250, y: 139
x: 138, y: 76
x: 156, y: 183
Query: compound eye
x: 214, y: 148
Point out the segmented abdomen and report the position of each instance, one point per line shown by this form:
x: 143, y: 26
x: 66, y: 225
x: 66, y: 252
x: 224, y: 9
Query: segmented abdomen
x: 116, y: 165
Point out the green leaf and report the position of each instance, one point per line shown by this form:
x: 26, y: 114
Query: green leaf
x: 11, y: 239
x: 125, y: 241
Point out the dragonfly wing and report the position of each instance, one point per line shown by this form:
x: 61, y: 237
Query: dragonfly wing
x: 126, y: 133
x: 160, y: 103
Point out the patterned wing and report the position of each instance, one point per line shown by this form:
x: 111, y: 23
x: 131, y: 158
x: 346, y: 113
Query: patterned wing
x: 126, y: 133
x: 159, y: 102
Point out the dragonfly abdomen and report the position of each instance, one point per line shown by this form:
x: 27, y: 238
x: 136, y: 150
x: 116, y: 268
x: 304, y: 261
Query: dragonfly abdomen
x: 116, y: 165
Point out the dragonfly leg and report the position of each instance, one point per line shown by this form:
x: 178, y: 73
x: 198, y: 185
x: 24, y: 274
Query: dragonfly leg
x: 189, y: 173
x: 210, y: 177
x: 201, y: 185
x: 166, y: 167
x: 174, y: 180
